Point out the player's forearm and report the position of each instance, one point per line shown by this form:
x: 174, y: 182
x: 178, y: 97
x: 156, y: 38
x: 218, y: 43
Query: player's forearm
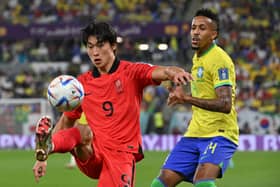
x: 160, y: 74
x: 173, y: 73
x: 216, y: 105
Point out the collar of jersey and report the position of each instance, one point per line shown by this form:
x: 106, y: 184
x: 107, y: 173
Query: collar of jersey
x: 205, y: 52
x: 95, y: 72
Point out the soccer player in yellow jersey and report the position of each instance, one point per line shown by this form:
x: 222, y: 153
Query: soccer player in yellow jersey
x: 204, y: 152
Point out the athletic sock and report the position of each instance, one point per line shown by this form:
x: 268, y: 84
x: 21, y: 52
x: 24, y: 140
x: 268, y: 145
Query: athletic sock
x: 157, y: 183
x: 65, y: 140
x: 205, y: 183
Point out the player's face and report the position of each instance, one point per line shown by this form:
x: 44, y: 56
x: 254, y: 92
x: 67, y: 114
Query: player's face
x: 101, y: 54
x: 203, y: 32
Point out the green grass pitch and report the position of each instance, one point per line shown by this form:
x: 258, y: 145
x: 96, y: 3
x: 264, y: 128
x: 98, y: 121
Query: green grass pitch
x: 258, y: 169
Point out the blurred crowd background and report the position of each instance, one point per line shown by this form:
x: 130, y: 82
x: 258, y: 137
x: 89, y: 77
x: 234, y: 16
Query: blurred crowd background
x: 249, y: 32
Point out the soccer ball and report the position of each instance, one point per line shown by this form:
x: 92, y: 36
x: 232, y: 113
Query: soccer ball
x: 65, y: 93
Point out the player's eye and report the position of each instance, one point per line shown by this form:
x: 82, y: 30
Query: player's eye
x: 98, y: 45
x: 202, y: 27
x: 89, y: 46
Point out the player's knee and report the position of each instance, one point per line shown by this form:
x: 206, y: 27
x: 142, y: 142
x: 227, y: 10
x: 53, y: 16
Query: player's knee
x: 86, y: 134
x: 157, y: 183
x: 205, y: 183
x: 84, y: 150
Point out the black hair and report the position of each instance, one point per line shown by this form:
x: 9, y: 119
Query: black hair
x: 209, y: 14
x: 101, y: 30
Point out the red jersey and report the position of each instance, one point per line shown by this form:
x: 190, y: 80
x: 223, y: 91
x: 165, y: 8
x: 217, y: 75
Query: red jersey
x: 112, y: 104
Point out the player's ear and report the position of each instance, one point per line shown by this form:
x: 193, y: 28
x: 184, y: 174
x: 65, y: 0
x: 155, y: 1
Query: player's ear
x: 114, y: 46
x: 214, y: 35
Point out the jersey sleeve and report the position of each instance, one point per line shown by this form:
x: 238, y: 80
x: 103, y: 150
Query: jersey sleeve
x: 142, y: 73
x: 222, y: 74
x: 74, y: 114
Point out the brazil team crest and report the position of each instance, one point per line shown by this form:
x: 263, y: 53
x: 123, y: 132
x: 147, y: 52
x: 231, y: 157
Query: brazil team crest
x: 223, y: 73
x: 200, y: 72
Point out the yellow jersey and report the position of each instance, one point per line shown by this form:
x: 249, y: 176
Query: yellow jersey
x: 82, y: 120
x: 211, y: 70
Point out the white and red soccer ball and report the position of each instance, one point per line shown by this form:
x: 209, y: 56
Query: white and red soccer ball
x: 65, y: 93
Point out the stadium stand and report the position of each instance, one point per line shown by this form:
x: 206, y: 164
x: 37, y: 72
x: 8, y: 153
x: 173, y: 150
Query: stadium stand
x: 249, y: 33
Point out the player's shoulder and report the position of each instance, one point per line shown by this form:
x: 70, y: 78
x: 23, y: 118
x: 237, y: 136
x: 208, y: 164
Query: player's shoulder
x: 220, y: 53
x: 124, y: 64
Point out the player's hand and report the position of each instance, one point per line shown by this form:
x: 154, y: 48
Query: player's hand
x: 176, y: 96
x: 39, y: 169
x: 182, y: 78
x: 178, y: 75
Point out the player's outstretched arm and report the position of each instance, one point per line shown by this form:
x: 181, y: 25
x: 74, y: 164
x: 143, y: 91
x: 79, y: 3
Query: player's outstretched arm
x: 176, y: 74
x: 39, y: 169
x: 222, y: 103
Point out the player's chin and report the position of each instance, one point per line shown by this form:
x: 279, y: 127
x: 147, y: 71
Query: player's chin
x: 98, y: 64
x: 195, y: 47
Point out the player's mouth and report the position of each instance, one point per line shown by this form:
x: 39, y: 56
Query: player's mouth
x: 195, y: 41
x: 97, y: 61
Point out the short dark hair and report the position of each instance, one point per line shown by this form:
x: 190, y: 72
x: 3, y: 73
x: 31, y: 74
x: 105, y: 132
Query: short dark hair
x: 209, y: 14
x: 101, y: 30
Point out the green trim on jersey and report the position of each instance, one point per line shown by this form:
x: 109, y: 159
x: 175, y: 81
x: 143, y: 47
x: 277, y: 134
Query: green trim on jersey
x: 205, y: 52
x: 223, y: 84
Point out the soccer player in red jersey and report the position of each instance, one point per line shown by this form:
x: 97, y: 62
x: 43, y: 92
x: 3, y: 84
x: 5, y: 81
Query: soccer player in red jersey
x: 110, y: 145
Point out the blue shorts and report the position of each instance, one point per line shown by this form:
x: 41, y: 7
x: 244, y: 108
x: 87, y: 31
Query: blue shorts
x: 189, y: 152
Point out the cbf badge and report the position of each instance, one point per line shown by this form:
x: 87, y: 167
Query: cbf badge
x: 223, y: 73
x: 200, y: 72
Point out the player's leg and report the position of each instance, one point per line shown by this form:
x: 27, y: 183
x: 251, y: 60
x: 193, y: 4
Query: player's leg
x: 78, y: 140
x: 167, y: 178
x: 179, y: 166
x: 62, y: 141
x: 84, y: 150
x: 214, y: 160
x: 118, y: 169
x: 92, y: 167
x: 206, y: 175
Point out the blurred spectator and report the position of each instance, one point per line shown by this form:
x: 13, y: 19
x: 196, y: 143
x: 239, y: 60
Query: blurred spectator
x: 55, y: 11
x: 246, y: 129
x: 144, y: 118
x: 250, y: 35
x: 179, y: 120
